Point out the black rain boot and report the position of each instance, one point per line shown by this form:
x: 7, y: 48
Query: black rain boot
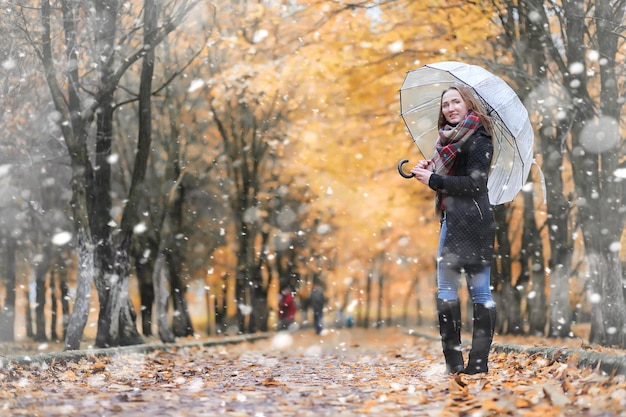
x: 450, y: 329
x: 482, y: 336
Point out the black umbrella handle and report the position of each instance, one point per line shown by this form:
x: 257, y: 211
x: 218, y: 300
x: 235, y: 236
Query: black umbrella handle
x: 402, y: 162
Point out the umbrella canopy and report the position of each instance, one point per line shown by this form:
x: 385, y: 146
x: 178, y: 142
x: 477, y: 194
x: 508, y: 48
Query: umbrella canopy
x: 513, y: 136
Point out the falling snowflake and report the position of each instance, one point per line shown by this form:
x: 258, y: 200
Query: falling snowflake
x: 61, y: 238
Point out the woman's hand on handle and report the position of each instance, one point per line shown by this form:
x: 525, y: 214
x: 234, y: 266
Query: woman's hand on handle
x: 426, y: 164
x: 423, y: 170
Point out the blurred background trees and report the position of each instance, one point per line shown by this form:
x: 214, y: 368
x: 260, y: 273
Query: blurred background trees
x: 192, y: 159
x: 567, y: 61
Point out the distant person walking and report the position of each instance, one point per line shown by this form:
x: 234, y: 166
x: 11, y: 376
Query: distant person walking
x: 317, y: 301
x: 286, y: 309
x: 458, y: 174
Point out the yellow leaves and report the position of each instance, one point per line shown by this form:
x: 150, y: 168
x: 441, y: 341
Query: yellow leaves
x: 458, y: 388
x: 255, y: 11
x: 365, y: 372
x: 555, y: 395
x: 492, y: 405
x: 69, y: 375
x: 369, y: 404
x: 98, y: 367
x: 164, y: 375
x: 271, y: 382
x: 521, y: 402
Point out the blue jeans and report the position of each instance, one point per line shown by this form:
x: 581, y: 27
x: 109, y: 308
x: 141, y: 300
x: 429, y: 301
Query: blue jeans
x: 449, y: 277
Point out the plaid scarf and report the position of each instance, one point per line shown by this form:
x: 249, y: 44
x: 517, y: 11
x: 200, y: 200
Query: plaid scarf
x: 451, y: 139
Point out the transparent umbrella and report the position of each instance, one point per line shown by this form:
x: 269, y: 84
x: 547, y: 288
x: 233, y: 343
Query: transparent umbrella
x: 513, y: 135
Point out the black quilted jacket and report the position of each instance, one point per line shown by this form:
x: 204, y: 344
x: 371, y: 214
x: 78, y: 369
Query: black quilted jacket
x: 469, y: 216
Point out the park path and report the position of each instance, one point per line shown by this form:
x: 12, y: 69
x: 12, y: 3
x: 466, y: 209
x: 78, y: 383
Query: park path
x: 345, y: 372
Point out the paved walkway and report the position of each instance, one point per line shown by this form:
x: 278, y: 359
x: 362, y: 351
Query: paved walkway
x: 348, y: 372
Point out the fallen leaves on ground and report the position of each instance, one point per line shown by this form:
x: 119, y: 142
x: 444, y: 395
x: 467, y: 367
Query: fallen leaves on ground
x: 346, y: 372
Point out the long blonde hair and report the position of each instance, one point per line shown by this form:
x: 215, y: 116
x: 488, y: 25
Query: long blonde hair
x: 472, y: 104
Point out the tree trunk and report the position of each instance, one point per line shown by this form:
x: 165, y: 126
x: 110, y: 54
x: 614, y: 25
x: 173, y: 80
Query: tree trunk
x: 379, y: 308
x: 511, y: 299
x: 65, y: 304
x: 242, y: 283
x: 560, y: 310
x: 220, y: 307
x: 29, y: 317
x: 41, y: 271
x: 597, y: 334
x: 80, y: 313
x: 258, y: 321
x: 241, y: 294
x: 560, y: 264
x: 107, y: 281
x: 118, y: 323
x: 261, y: 289
x: 561, y: 245
x: 610, y: 29
x: 7, y: 318
x: 75, y: 136
x: 532, y: 245
x: 407, y: 298
x: 368, y: 297
x: 121, y: 328
x: 612, y: 305
x: 174, y: 219
x: 181, y: 322
x: 159, y: 279
x: 144, y: 268
x: 54, y: 305
x: 613, y: 312
x: 533, y: 265
x: 552, y: 148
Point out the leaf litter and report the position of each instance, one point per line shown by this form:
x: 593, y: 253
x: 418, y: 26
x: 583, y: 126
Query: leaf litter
x: 344, y: 372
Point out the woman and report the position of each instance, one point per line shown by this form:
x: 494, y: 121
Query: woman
x: 458, y: 173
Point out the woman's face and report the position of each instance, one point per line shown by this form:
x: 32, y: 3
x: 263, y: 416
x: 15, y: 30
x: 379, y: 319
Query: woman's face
x: 453, y: 106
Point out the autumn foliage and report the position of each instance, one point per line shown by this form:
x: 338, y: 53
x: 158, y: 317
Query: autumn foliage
x: 274, y: 139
